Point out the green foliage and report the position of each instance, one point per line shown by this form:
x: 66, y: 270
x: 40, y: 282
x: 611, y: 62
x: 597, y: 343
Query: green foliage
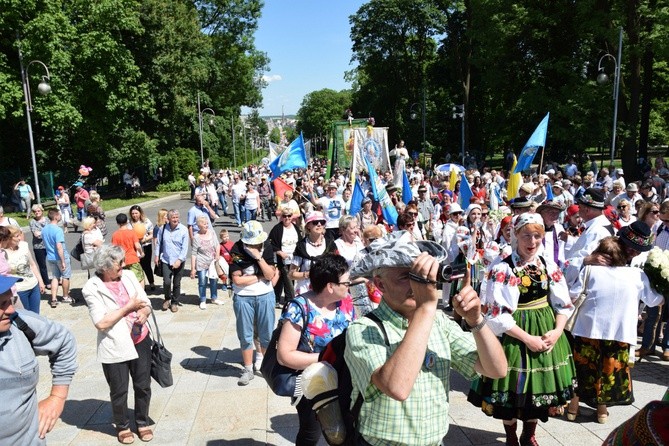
x: 180, y: 162
x: 174, y: 186
x: 320, y: 108
x: 125, y: 75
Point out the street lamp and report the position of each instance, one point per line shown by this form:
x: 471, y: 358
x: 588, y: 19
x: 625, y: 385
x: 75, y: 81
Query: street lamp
x: 603, y: 78
x: 413, y: 114
x: 211, y: 122
x: 43, y: 88
x: 459, y: 112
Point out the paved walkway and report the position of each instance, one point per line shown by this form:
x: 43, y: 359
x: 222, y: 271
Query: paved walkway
x: 206, y: 407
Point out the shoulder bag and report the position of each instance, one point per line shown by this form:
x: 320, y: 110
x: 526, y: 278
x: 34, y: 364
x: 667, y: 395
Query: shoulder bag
x: 158, y: 269
x: 161, y: 359
x: 579, y: 300
x: 281, y: 379
x: 78, y: 250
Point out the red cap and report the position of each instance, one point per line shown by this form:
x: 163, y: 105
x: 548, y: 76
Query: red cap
x: 572, y: 210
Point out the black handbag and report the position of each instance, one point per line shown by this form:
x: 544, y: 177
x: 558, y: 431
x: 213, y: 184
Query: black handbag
x: 78, y: 250
x: 281, y: 379
x: 161, y: 359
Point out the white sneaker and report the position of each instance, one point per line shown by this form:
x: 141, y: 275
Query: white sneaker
x: 203, y: 306
x: 218, y: 301
x: 247, y: 376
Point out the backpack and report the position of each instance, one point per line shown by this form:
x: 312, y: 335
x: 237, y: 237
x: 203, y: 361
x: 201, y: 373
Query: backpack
x: 334, y: 355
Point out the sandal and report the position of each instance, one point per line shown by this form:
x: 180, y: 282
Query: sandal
x: 53, y: 303
x: 556, y: 411
x: 125, y: 436
x: 145, y: 433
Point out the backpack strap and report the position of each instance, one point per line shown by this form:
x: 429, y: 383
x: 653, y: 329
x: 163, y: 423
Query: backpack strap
x: 21, y: 325
x: 355, y: 411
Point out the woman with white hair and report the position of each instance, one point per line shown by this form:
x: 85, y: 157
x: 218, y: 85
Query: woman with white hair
x: 119, y: 309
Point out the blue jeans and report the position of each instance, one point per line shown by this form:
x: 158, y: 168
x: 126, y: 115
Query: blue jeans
x: 203, y: 282
x: 224, y: 203
x: 254, y: 312
x: 251, y: 214
x: 30, y: 299
x: 238, y: 208
x: 651, y: 328
x: 81, y: 213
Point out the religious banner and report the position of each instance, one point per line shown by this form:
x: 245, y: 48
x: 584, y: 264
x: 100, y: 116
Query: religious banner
x: 370, y: 144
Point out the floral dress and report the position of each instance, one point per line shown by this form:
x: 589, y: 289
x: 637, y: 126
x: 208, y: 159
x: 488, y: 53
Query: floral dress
x: 320, y: 330
x: 527, y: 297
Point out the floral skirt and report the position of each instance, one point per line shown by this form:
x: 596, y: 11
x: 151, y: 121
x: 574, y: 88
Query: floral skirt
x: 534, y: 381
x: 603, y: 372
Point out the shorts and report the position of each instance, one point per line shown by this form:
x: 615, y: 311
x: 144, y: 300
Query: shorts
x: 55, y: 271
x: 254, y: 312
x: 137, y: 270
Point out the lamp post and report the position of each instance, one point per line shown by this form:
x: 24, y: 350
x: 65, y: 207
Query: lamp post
x: 43, y: 88
x: 211, y: 122
x: 603, y: 78
x: 459, y: 112
x: 234, y: 148
x: 413, y: 114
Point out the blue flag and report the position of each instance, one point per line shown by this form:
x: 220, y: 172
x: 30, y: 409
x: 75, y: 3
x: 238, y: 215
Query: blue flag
x: 407, y: 196
x: 356, y: 198
x: 550, y: 196
x: 537, y: 141
x: 293, y: 157
x: 465, y: 192
x: 381, y: 195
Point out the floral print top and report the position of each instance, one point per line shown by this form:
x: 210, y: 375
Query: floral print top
x: 506, y: 284
x: 320, y: 329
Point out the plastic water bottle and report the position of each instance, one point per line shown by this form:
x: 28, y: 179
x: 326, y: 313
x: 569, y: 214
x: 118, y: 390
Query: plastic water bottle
x: 332, y: 423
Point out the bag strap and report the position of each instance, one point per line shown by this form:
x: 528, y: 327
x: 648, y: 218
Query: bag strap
x: 355, y: 411
x: 23, y: 326
x: 158, y: 339
x: 305, y: 316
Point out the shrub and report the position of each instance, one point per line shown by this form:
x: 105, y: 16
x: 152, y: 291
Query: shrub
x: 174, y: 186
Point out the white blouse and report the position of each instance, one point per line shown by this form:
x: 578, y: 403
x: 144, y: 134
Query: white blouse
x: 610, y: 310
x: 500, y: 292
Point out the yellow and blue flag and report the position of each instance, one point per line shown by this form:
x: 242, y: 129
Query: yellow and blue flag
x: 466, y: 193
x: 294, y: 157
x: 537, y: 141
x: 356, y: 198
x: 515, y: 179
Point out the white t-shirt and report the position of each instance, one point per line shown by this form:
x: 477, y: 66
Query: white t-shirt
x: 304, y: 285
x: 332, y: 209
x: 238, y: 189
x: 251, y: 202
x: 288, y: 242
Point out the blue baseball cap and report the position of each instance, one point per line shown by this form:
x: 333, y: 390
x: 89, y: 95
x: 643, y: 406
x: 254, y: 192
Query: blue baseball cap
x: 7, y: 282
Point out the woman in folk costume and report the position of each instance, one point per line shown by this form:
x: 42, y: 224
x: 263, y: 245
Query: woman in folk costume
x: 528, y: 305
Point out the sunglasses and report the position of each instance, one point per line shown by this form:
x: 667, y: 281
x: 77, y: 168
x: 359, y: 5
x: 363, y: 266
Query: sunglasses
x: 655, y: 212
x: 623, y: 207
x: 413, y: 213
x: 318, y: 222
x: 484, y: 214
x: 287, y: 216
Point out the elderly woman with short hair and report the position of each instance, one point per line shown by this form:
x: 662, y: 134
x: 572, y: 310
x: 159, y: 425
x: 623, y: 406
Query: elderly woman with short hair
x: 119, y: 309
x: 38, y: 223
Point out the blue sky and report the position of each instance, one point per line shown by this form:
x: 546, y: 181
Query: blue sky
x: 309, y: 46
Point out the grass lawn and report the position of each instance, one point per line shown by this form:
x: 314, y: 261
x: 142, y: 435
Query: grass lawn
x: 107, y: 204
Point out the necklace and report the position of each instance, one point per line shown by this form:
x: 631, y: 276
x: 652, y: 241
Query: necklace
x: 316, y: 244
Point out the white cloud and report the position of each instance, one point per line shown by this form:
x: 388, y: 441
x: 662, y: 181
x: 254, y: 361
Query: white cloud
x: 269, y: 78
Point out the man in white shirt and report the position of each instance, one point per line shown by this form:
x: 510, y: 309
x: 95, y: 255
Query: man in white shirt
x: 237, y: 189
x: 597, y: 227
x: 332, y: 205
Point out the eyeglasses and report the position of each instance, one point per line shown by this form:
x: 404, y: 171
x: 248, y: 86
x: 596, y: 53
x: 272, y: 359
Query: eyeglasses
x: 346, y: 283
x: 318, y: 222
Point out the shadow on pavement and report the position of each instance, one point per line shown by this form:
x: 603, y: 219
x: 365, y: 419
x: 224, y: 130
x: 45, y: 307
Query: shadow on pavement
x: 224, y: 363
x: 238, y: 442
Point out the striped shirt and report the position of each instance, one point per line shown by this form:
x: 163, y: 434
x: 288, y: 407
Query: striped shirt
x: 422, y: 419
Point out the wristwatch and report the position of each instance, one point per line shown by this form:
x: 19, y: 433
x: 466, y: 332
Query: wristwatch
x: 476, y: 328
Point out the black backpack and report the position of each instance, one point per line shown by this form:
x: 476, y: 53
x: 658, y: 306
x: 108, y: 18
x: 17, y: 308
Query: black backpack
x: 334, y: 355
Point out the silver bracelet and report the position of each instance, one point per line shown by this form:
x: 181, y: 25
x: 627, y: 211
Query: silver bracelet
x: 476, y: 328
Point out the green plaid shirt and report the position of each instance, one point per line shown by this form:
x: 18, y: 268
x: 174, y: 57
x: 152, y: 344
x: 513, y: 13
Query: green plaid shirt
x: 423, y: 418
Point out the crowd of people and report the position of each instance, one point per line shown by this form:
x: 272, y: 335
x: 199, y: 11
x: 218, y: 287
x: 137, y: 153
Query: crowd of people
x: 515, y: 324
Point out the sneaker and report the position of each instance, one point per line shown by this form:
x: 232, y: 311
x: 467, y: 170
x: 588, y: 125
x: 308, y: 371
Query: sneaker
x: 217, y: 302
x: 67, y: 300
x: 174, y: 308
x: 166, y: 304
x: 203, y: 306
x: 247, y: 376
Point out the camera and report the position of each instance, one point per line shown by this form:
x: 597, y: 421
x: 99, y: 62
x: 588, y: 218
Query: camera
x: 449, y: 273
